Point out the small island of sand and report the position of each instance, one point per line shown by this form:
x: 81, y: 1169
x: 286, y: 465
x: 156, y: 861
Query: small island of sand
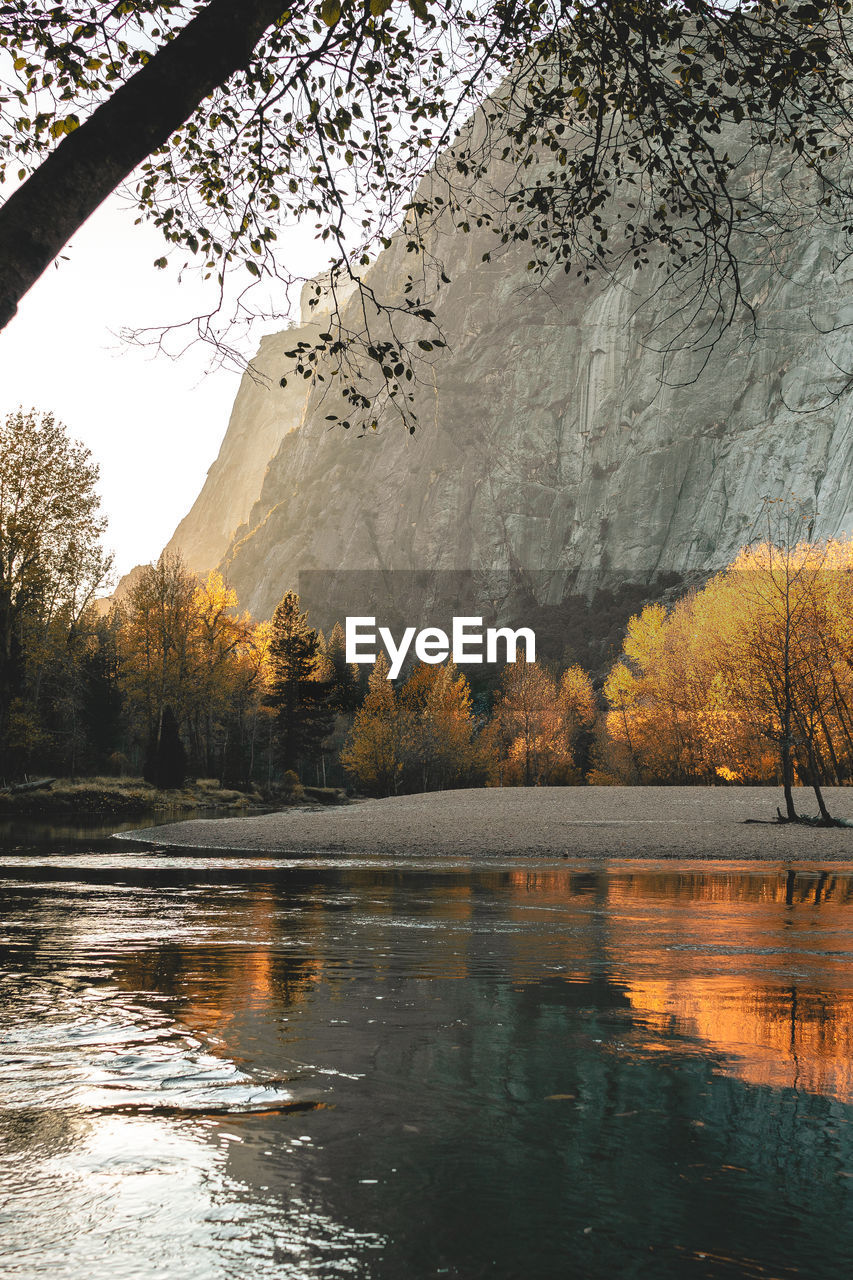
x: 576, y: 822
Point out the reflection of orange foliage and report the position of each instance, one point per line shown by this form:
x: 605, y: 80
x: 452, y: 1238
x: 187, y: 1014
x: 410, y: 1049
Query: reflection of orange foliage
x: 785, y: 1037
x: 250, y: 979
x: 794, y: 1036
x: 766, y: 1033
x: 682, y: 952
x: 731, y: 887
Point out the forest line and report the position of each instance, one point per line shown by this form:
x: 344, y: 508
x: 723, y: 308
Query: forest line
x: 748, y: 679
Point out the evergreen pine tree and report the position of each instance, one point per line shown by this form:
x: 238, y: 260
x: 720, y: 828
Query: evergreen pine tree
x: 102, y: 693
x: 347, y: 693
x: 299, y: 699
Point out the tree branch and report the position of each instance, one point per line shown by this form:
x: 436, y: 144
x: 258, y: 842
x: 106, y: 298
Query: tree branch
x: 41, y: 216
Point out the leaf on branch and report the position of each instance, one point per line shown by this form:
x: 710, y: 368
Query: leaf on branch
x: 330, y: 11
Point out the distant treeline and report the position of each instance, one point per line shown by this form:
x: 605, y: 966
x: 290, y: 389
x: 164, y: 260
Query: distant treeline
x: 749, y: 679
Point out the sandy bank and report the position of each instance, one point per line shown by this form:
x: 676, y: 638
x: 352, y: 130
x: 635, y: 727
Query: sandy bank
x: 580, y: 822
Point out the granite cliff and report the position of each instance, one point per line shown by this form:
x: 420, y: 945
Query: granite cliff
x: 553, y: 437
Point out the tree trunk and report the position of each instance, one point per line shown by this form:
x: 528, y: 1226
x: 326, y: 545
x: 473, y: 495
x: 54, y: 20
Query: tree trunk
x: 821, y: 803
x: 38, y: 220
x: 786, y: 742
x: 788, y: 780
x: 814, y: 770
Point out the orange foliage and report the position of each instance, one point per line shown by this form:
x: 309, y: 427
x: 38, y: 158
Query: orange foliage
x: 537, y: 724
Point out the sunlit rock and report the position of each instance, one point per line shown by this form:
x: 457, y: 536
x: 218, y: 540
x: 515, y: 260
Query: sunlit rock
x: 566, y: 428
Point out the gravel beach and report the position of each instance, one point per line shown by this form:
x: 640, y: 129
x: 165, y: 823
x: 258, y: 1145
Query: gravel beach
x: 576, y: 822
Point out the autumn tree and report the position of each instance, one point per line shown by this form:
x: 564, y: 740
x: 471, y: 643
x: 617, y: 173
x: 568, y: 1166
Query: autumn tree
x: 246, y: 714
x: 298, y: 693
x: 671, y: 714
x: 375, y: 751
x: 836, y: 641
x: 159, y: 633
x: 657, y: 692
x: 221, y: 678
x: 438, y: 726
x: 772, y: 649
x: 748, y: 679
x: 576, y: 712
x: 51, y: 560
x: 525, y: 712
x: 540, y: 731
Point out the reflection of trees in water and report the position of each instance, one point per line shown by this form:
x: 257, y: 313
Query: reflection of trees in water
x: 231, y: 958
x: 214, y: 981
x: 517, y: 1113
x: 490, y: 925
x: 617, y: 886
x: 791, y: 886
x: 790, y: 1037
x: 525, y: 1049
x: 765, y: 1031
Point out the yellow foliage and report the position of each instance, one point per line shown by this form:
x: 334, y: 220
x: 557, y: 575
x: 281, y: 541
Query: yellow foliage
x: 420, y: 737
x: 749, y: 679
x: 374, y: 751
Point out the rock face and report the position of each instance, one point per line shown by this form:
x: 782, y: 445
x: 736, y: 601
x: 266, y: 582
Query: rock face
x: 553, y: 437
x: 262, y: 416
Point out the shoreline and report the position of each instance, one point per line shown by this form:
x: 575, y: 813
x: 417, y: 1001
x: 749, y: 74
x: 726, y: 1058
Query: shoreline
x: 687, y: 823
x: 107, y: 797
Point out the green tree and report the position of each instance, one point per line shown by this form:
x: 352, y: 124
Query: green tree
x: 296, y: 693
x: 102, y: 696
x: 51, y: 559
x: 347, y: 692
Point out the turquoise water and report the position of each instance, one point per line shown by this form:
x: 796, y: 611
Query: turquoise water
x: 263, y: 1068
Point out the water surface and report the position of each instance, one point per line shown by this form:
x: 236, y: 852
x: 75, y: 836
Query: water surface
x: 255, y: 1067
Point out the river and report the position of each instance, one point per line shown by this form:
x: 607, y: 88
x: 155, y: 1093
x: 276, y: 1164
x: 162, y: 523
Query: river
x: 254, y: 1067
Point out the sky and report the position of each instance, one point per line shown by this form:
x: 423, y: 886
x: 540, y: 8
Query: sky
x: 153, y: 424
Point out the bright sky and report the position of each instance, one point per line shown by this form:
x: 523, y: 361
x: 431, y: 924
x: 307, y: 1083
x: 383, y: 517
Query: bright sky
x: 153, y: 425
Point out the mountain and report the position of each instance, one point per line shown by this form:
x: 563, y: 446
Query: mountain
x: 567, y: 433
